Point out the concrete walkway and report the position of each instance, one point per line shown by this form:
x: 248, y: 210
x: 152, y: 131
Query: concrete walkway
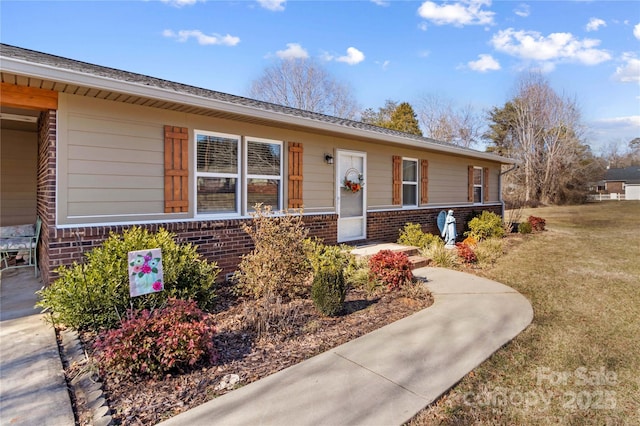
x: 382, y: 378
x: 387, y: 376
x: 33, y: 390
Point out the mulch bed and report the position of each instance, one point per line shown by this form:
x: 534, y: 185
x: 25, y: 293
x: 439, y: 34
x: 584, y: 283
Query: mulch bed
x: 291, y: 333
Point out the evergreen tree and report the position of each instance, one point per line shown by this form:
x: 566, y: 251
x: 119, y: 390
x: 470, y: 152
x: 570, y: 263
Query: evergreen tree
x: 405, y: 120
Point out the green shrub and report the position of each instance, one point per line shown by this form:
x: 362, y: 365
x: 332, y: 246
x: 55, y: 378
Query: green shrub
x: 441, y: 256
x: 153, y: 343
x: 358, y: 275
x: 328, y: 291
x: 95, y: 294
x: 322, y: 256
x: 525, y: 228
x: 392, y: 268
x: 487, y: 225
x: 413, y: 235
x: 278, y: 265
x: 489, y: 251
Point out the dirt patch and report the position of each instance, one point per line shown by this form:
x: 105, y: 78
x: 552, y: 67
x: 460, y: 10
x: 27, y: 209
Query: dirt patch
x: 252, y: 346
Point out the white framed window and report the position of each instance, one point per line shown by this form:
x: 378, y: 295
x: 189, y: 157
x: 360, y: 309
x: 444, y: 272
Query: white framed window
x: 233, y: 173
x: 409, y: 182
x: 477, y: 185
x: 263, y: 182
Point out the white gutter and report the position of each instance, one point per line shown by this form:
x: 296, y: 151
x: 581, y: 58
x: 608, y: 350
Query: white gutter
x: 47, y: 72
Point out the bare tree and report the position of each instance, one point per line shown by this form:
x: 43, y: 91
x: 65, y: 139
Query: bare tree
x: 542, y: 129
x: 443, y: 122
x: 304, y: 84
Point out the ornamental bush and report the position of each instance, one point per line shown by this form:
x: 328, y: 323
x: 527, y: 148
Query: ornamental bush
x: 278, y: 265
x: 466, y: 253
x: 487, y: 225
x: 413, y: 235
x: 323, y: 256
x: 441, y: 256
x: 525, y: 228
x: 392, y: 268
x: 95, y: 294
x: 489, y: 251
x: 155, y: 342
x: 537, y: 223
x: 328, y: 291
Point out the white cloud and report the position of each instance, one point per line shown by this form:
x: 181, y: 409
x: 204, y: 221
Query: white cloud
x: 636, y: 31
x: 461, y: 13
x: 353, y: 56
x: 180, y: 3
x: 293, y: 51
x: 522, y: 10
x: 628, y: 121
x: 484, y: 63
x: 380, y: 2
x: 594, y: 24
x: 274, y: 5
x: 532, y: 45
x: 629, y: 72
x: 203, y: 39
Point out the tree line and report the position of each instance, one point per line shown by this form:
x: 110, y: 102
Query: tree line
x: 539, y: 127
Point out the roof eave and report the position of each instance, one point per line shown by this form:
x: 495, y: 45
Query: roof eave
x: 63, y: 75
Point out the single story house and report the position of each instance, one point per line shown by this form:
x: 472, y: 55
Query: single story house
x: 624, y: 181
x: 93, y: 150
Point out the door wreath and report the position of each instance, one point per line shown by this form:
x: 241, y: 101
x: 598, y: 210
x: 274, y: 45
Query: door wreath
x: 353, y: 180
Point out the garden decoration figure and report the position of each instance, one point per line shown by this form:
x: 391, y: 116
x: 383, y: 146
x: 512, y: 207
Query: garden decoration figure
x: 449, y: 231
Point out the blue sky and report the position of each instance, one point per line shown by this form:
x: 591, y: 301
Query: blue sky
x: 467, y: 52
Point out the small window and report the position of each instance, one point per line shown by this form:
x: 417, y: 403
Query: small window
x: 477, y: 185
x: 409, y: 182
x: 217, y: 173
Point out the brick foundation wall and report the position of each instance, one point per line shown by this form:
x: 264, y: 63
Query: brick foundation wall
x: 222, y: 241
x: 385, y: 226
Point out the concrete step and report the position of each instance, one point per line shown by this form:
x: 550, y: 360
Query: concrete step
x: 417, y: 261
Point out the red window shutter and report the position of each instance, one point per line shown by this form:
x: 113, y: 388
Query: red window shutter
x: 397, y: 180
x: 424, y: 181
x: 470, y: 185
x: 176, y: 169
x: 295, y: 175
x: 485, y: 184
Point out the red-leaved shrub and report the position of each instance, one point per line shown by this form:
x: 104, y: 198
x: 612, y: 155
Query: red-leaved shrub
x: 537, y: 223
x: 152, y: 343
x: 392, y: 268
x: 466, y: 253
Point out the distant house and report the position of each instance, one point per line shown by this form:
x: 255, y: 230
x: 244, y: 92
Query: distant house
x: 93, y: 150
x: 625, y: 181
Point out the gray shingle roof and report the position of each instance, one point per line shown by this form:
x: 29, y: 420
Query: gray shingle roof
x: 627, y: 174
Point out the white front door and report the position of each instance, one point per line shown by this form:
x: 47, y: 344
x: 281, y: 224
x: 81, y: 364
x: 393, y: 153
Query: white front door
x: 351, y: 195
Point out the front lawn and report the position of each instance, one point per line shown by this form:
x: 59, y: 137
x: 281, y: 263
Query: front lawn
x: 578, y: 362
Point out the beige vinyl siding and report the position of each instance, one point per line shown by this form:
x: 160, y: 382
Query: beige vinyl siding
x: 111, y: 163
x: 18, y: 176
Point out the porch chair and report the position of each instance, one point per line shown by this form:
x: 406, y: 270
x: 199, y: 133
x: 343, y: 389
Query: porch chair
x: 20, y: 240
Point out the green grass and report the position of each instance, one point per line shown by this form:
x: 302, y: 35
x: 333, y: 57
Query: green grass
x: 582, y: 277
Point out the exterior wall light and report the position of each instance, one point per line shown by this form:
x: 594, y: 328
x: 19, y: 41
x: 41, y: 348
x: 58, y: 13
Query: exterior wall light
x: 328, y: 158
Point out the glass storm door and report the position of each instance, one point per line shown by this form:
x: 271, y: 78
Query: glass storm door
x: 351, y: 195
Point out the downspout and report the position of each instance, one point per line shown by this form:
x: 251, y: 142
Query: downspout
x: 515, y: 166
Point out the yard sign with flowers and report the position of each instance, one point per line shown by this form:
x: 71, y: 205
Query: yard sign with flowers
x: 145, y: 272
x: 353, y: 181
